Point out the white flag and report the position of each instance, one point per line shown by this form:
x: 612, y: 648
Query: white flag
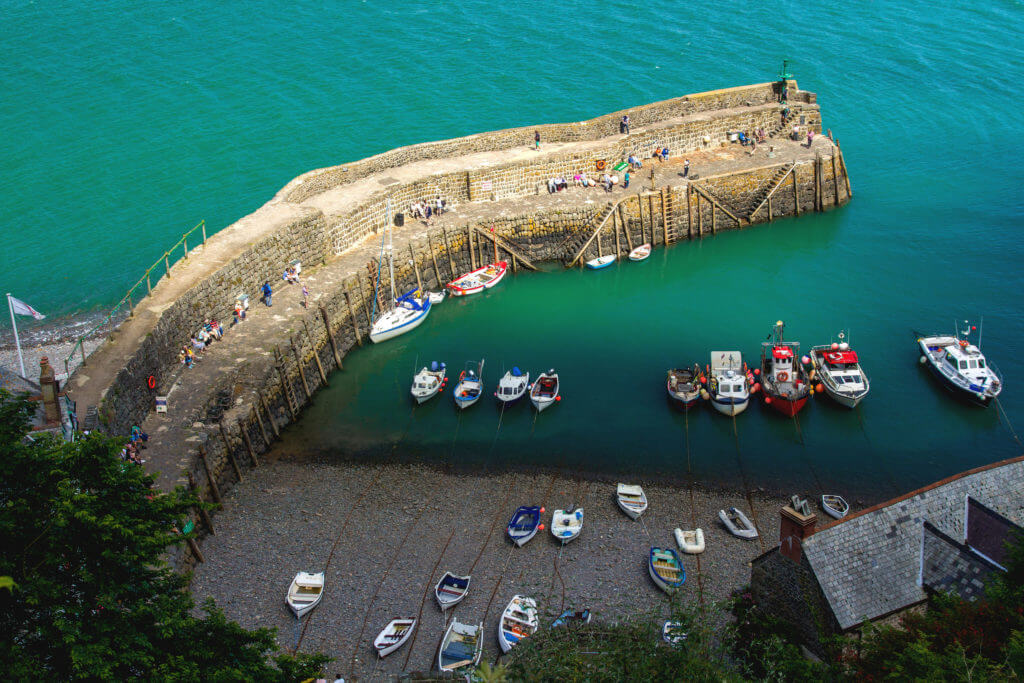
x: 22, y: 308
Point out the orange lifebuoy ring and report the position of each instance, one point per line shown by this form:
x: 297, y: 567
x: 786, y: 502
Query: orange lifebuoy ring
x: 782, y: 376
x: 151, y: 382
x: 600, y: 164
x: 963, y: 343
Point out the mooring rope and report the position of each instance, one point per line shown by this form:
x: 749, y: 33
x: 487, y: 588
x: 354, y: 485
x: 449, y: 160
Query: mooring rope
x: 999, y: 407
x: 423, y: 602
x: 746, y: 483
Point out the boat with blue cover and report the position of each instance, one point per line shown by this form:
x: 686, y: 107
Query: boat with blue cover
x: 524, y: 524
x: 512, y: 386
x: 461, y: 646
x: 429, y: 381
x: 470, y: 386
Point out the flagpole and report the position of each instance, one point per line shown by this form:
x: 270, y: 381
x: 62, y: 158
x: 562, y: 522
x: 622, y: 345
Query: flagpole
x: 17, y: 342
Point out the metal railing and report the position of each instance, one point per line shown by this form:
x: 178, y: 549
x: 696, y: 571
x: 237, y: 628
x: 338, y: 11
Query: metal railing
x: 129, y: 298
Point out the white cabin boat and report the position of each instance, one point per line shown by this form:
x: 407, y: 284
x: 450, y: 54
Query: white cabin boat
x: 631, y: 499
x: 640, y: 253
x: 512, y: 386
x: 838, y: 369
x: 478, y: 280
x: 690, y: 542
x: 961, y: 367
x: 519, y: 620
x: 450, y: 590
x: 728, y: 386
x: 544, y: 391
x: 305, y: 593
x: 470, y: 386
x: 567, y: 524
x: 393, y: 636
x: 737, y: 523
x: 428, y: 381
x: 461, y: 646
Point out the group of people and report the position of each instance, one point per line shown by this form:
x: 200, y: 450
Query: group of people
x: 427, y: 208
x: 136, y: 442
x: 209, y: 332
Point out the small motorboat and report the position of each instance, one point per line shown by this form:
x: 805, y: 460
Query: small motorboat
x: 784, y: 382
x: 640, y: 253
x: 836, y: 506
x: 666, y: 569
x: 393, y: 636
x: 690, y: 542
x: 737, y: 523
x: 518, y: 621
x: 729, y: 386
x: 470, y: 386
x: 524, y: 524
x: 461, y: 646
x: 672, y: 633
x: 838, y: 369
x: 569, y: 617
x: 428, y: 381
x: 961, y: 367
x: 544, y: 391
x: 683, y: 385
x: 450, y: 590
x: 601, y: 262
x: 478, y: 280
x: 435, y: 297
x: 631, y: 499
x: 512, y: 386
x: 567, y: 524
x: 305, y: 592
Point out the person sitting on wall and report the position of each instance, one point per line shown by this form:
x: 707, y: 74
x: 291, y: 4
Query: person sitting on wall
x: 577, y: 180
x: 634, y: 162
x: 563, y: 184
x: 552, y: 185
x: 744, y: 140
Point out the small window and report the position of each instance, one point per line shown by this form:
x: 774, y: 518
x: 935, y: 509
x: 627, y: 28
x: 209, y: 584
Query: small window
x: 963, y: 365
x: 981, y: 362
x: 973, y: 364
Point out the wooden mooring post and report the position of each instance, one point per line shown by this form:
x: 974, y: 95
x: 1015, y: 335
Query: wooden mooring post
x: 433, y: 259
x: 352, y: 314
x: 227, y: 451
x: 618, y: 242
x: 202, y: 510
x: 689, y: 212
x: 209, y: 475
x: 284, y: 386
x: 316, y: 356
x: 448, y: 251
x: 248, y: 444
x: 469, y: 246
x: 270, y: 416
x: 846, y: 175
x: 700, y: 218
x: 253, y: 410
x: 796, y: 194
x: 835, y: 182
x: 330, y: 338
x: 302, y: 368
x: 416, y: 268
x: 664, y: 218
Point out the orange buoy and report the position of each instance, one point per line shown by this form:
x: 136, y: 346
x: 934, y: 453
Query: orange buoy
x: 542, y: 510
x: 768, y: 399
x: 558, y: 398
x: 835, y: 346
x: 541, y: 527
x: 757, y: 371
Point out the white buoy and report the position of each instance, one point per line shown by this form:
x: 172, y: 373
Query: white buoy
x: 923, y: 360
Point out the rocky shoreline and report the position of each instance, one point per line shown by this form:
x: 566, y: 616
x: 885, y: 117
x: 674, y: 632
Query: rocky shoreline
x: 385, y: 533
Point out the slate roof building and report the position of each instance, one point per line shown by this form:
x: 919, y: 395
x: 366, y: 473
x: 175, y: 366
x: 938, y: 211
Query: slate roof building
x: 876, y: 564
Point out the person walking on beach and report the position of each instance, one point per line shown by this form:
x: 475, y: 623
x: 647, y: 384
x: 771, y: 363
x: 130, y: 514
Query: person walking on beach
x: 536, y: 140
x: 686, y: 168
x: 267, y: 292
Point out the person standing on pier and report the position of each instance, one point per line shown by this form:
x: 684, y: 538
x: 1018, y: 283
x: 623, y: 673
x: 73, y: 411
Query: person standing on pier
x: 625, y: 179
x: 267, y: 292
x: 536, y: 140
x: 624, y: 125
x: 686, y: 168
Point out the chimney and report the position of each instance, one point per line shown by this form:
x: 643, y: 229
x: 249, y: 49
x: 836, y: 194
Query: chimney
x: 50, y: 391
x: 797, y: 524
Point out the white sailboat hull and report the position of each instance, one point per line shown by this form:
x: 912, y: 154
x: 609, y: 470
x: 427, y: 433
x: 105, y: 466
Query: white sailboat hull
x: 389, y: 326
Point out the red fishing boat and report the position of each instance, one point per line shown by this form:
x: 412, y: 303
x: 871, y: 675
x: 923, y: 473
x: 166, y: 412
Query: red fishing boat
x: 478, y: 280
x: 784, y: 381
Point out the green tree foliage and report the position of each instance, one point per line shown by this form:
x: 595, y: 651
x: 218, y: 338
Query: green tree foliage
x: 82, y: 536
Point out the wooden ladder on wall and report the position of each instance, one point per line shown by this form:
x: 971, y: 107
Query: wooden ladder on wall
x: 668, y: 216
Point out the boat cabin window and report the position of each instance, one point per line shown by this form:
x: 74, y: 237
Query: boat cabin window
x: 963, y: 365
x: 981, y: 362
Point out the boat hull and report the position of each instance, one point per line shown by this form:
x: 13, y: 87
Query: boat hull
x: 845, y: 400
x: 385, y: 648
x: 601, y: 262
x: 729, y: 406
x: 668, y: 585
x: 377, y: 336
x: 785, y: 405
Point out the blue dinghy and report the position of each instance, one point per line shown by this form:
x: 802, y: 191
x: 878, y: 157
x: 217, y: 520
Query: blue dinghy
x: 524, y: 524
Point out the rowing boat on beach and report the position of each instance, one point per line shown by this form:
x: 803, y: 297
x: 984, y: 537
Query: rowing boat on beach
x: 305, y: 593
x: 518, y: 621
x: 451, y: 590
x: 666, y: 569
x: 461, y: 646
x: 836, y: 506
x: 631, y: 499
x: 393, y: 636
x: 690, y: 542
x: 524, y: 524
x: 737, y: 523
x: 567, y: 524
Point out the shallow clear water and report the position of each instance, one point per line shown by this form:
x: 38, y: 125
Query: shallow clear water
x: 126, y: 124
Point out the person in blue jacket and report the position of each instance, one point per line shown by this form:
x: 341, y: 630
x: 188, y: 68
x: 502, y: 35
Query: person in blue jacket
x: 266, y: 293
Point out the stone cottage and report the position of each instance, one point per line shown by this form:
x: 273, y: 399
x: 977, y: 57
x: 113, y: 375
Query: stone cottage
x: 878, y: 563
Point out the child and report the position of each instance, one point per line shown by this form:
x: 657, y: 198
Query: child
x: 305, y: 297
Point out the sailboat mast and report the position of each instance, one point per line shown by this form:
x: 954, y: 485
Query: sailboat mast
x: 391, y: 251
x: 981, y: 328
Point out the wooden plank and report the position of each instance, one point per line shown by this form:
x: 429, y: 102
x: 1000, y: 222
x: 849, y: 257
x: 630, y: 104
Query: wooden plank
x: 846, y: 175
x: 664, y: 218
x: 714, y: 220
x: 640, y: 212
x: 352, y: 315
x: 248, y: 444
x: 448, y: 251
x: 433, y: 259
x: 209, y: 475
x: 416, y: 267
x: 715, y: 202
x: 650, y: 217
x: 618, y: 242
x: 700, y: 216
x: 366, y: 306
x: 227, y: 450
x: 302, y: 368
x: 770, y: 216
x: 835, y: 182
x: 689, y: 212
x: 316, y: 356
x: 284, y: 389
x: 591, y: 239
x: 516, y: 254
x: 796, y: 194
x: 330, y: 338
x: 625, y: 225
x: 254, y: 410
x: 469, y: 245
x: 778, y: 184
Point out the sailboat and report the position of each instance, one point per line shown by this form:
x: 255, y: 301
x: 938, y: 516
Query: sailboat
x: 408, y: 310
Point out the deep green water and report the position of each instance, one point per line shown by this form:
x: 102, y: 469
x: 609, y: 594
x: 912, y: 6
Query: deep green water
x: 126, y: 123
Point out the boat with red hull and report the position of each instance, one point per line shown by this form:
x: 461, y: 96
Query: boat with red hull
x: 784, y: 381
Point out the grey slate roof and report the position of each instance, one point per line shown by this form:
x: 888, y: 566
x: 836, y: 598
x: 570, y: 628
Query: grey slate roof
x: 951, y: 567
x: 868, y: 564
x: 988, y: 532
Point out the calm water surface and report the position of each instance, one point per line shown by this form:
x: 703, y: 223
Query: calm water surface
x: 126, y: 123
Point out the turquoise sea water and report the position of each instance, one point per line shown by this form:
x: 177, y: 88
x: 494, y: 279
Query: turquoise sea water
x: 126, y: 123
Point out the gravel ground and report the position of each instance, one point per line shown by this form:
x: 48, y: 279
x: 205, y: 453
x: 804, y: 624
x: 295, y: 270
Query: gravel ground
x: 55, y: 351
x: 387, y: 525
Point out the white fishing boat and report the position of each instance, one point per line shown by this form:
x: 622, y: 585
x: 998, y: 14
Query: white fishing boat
x: 470, y: 386
x: 601, y: 262
x: 737, y: 523
x: 729, y: 386
x: 461, y: 646
x: 512, y: 386
x: 690, y: 541
x: 407, y: 312
x: 631, y: 499
x: 835, y: 505
x: 451, y: 590
x: 518, y: 621
x: 428, y: 381
x: 666, y: 569
x: 305, y: 592
x: 478, y: 280
x: 393, y: 636
x: 838, y: 369
x: 683, y: 385
x: 544, y: 391
x: 640, y: 253
x: 567, y: 524
x: 960, y: 366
